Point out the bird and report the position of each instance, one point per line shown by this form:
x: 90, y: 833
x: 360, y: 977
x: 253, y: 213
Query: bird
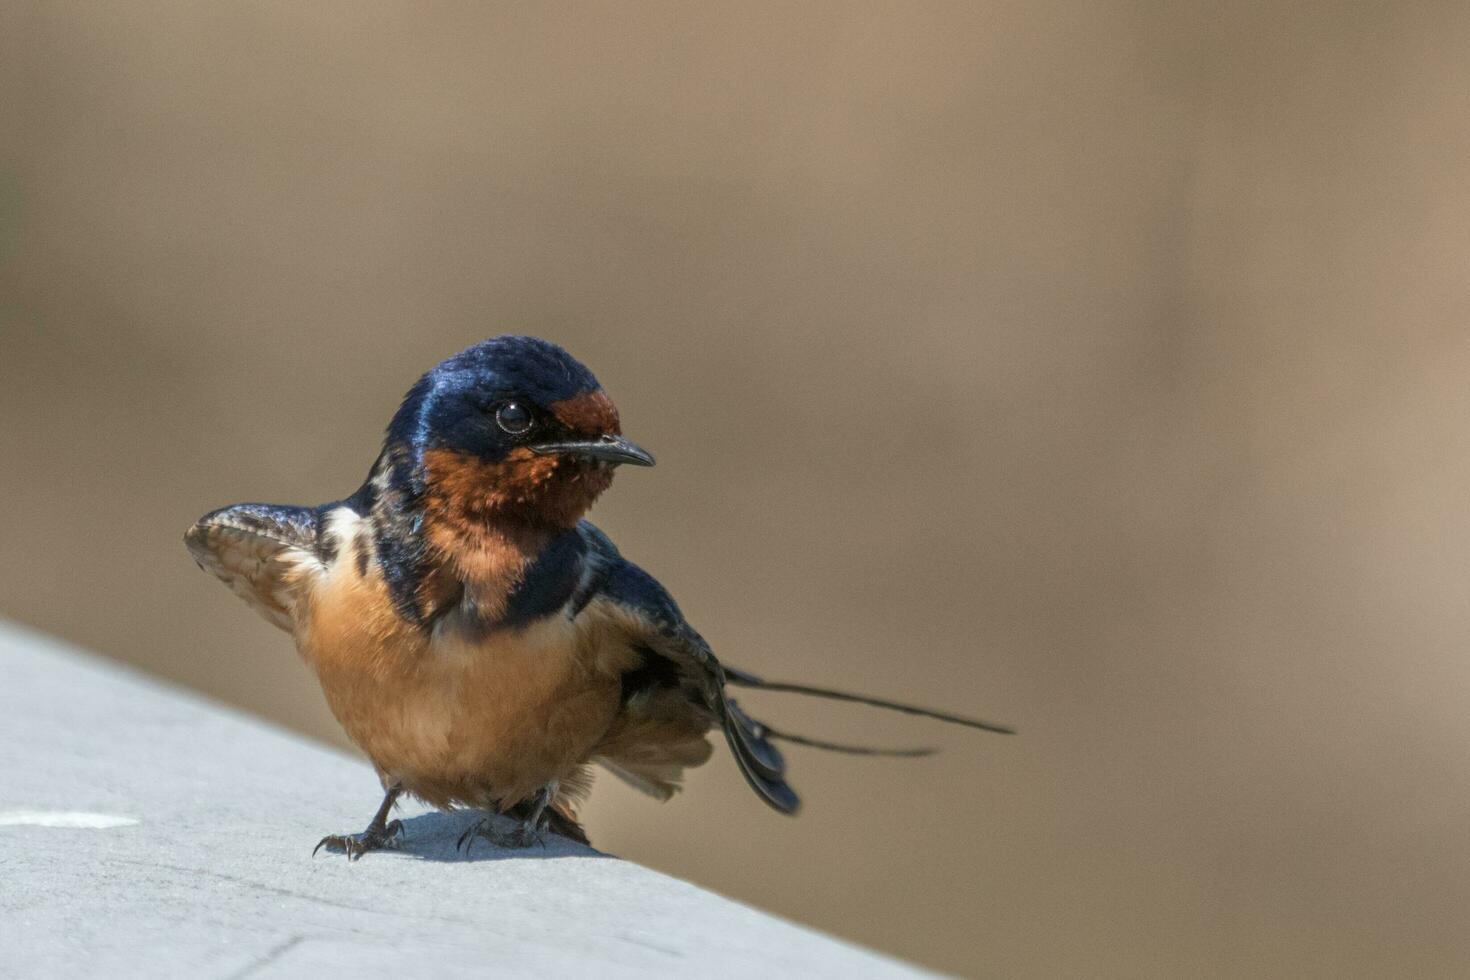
x: 477, y: 638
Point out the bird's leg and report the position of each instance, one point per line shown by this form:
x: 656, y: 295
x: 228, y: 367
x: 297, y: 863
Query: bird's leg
x: 380, y: 834
x: 531, y: 829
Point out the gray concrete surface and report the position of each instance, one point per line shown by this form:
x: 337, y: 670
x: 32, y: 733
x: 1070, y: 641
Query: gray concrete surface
x: 146, y: 832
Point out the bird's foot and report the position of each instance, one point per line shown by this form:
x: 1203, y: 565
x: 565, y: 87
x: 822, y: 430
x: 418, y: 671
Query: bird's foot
x: 355, y: 846
x: 524, y: 834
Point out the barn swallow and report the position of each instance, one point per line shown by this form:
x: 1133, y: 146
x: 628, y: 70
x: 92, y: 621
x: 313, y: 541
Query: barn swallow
x: 476, y: 637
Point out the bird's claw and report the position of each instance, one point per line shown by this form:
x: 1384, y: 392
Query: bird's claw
x: 356, y: 845
x: 524, y: 835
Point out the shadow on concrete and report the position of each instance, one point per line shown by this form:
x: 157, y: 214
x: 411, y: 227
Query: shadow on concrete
x: 435, y: 837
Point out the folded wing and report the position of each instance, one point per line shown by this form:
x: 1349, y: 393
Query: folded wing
x: 680, y: 682
x: 681, y: 675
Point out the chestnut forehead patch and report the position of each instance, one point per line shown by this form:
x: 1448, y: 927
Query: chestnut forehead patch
x: 591, y: 413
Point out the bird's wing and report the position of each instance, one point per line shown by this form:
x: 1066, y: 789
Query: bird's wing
x: 676, y: 657
x: 263, y: 552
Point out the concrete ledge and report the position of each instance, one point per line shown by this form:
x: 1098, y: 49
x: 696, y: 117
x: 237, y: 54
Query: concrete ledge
x: 146, y: 832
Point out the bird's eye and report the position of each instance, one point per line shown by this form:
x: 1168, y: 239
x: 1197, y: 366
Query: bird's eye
x: 514, y: 418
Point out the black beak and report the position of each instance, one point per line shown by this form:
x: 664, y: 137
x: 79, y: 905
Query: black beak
x: 610, y: 449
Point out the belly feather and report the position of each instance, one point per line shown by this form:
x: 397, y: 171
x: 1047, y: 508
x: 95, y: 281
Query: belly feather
x: 480, y: 724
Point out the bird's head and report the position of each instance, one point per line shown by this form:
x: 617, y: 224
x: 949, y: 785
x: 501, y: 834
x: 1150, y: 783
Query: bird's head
x: 511, y: 429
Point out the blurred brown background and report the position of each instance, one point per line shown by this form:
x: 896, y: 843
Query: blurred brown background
x: 1097, y: 367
